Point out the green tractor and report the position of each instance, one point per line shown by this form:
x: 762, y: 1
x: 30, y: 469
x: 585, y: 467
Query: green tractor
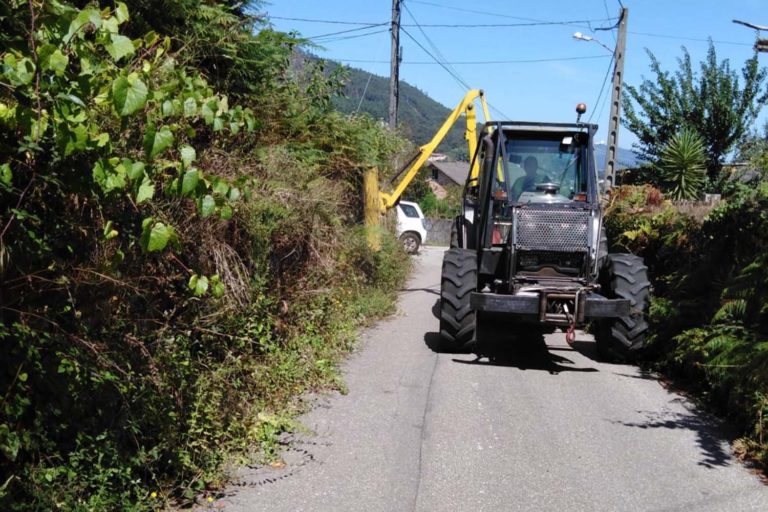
x: 530, y: 251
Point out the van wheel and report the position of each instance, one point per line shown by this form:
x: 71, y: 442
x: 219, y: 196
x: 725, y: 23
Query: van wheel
x: 411, y: 242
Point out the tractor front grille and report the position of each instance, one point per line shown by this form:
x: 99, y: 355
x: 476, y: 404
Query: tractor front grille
x: 561, y: 230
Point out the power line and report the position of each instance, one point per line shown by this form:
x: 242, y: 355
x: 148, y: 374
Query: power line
x: 345, y: 31
x: 342, y: 38
x: 605, y: 4
x: 500, y: 15
x: 333, y: 22
x: 478, y: 62
x: 446, y: 68
x: 433, y: 45
x: 666, y: 36
x: 602, y: 88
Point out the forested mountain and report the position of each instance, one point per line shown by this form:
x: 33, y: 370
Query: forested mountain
x: 419, y: 117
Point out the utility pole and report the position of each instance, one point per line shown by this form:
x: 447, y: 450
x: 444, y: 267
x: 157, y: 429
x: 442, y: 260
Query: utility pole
x: 613, y: 121
x: 394, y: 71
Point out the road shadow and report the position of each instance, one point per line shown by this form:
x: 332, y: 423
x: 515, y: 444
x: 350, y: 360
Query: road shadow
x: 711, y: 435
x: 524, y: 352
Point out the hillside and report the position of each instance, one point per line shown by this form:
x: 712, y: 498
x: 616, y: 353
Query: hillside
x: 420, y: 116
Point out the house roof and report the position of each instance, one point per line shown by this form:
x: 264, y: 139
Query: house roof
x: 455, y: 171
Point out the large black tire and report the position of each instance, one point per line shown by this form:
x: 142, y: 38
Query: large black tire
x: 624, y: 276
x: 458, y: 281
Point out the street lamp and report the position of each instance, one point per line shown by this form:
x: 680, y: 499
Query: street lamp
x: 582, y: 37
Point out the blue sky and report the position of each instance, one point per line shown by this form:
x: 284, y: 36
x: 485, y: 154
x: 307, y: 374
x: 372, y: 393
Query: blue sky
x: 530, y: 91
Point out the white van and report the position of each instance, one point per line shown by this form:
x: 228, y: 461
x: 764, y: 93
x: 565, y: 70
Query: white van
x: 411, y: 226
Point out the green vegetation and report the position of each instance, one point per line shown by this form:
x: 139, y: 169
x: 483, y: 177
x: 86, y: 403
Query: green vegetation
x: 432, y: 206
x: 708, y: 314
x: 681, y: 165
x: 714, y: 102
x: 174, y: 216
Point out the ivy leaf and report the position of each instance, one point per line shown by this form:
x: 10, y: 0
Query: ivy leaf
x: 6, y: 176
x: 121, y: 12
x: 159, y: 237
x: 120, y: 47
x: 187, y: 155
x: 109, y: 176
x: 157, y: 141
x: 198, y: 285
x: 217, y: 287
x: 226, y: 212
x: 190, y: 107
x: 207, y: 206
x: 189, y: 182
x: 129, y: 94
x: 135, y: 169
x: 146, y: 190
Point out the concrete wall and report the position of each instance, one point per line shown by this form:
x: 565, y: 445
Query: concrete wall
x: 439, y: 232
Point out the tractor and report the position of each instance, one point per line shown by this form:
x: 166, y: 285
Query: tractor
x: 529, y: 249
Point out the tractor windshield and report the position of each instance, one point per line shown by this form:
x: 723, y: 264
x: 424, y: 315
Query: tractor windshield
x: 544, y: 167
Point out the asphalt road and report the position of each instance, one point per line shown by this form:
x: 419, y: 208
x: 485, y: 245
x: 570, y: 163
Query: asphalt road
x: 539, y: 428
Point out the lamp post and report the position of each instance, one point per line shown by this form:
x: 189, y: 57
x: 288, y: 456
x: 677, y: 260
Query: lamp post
x: 583, y: 37
x: 761, y: 45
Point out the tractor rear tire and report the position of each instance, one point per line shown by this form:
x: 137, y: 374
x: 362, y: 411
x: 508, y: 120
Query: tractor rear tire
x: 624, y: 276
x: 458, y: 281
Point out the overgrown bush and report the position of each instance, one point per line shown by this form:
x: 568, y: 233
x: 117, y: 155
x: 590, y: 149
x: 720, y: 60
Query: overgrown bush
x: 169, y: 260
x: 708, y: 315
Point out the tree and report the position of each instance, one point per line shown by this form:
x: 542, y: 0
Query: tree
x: 715, y: 102
x: 681, y: 165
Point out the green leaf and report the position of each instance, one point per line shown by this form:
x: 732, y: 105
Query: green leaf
x: 146, y: 190
x: 207, y: 206
x: 159, y: 237
x: 190, y: 107
x: 6, y: 176
x: 121, y: 46
x: 129, y: 94
x: 226, y: 212
x: 217, y: 287
x: 208, y: 113
x: 52, y: 59
x: 135, y: 170
x: 234, y: 194
x: 109, y: 176
x: 109, y: 231
x: 157, y: 141
x: 121, y: 12
x: 189, y: 182
x: 218, y: 124
x: 187, y: 155
x: 220, y: 187
x: 198, y: 284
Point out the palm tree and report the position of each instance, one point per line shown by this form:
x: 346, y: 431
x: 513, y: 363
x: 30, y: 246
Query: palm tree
x: 682, y: 165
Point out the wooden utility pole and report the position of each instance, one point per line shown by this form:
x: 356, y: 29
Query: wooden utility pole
x: 613, y: 121
x: 394, y: 71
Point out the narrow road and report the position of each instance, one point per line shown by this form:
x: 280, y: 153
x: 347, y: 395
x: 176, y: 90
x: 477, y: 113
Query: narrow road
x: 544, y: 428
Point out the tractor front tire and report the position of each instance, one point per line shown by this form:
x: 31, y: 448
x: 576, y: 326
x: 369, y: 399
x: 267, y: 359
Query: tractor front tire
x: 458, y: 281
x: 624, y: 276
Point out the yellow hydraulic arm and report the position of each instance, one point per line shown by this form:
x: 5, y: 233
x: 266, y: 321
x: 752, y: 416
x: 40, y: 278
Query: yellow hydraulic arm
x: 466, y: 107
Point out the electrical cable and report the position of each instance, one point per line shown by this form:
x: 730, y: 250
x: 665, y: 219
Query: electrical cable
x: 665, y: 36
x: 446, y: 68
x: 579, y: 23
x: 602, y: 88
x: 478, y: 62
x: 613, y: 34
x: 332, y: 40
x: 334, y: 22
x: 432, y: 45
x: 320, y: 36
